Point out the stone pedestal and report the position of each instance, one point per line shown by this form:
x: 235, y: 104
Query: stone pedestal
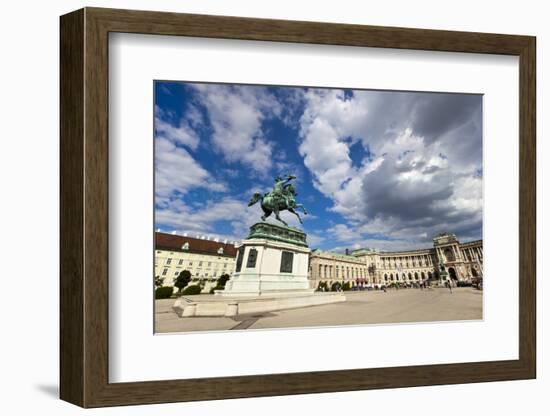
x: 272, y: 260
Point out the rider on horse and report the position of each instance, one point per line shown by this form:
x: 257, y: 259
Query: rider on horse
x: 280, y: 199
x: 279, y: 189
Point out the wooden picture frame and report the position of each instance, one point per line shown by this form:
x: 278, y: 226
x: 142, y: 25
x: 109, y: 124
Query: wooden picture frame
x: 84, y: 207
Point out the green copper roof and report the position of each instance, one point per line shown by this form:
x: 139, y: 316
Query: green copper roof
x: 277, y: 232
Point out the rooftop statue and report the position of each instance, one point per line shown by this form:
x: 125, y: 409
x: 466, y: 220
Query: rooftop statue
x: 281, y: 198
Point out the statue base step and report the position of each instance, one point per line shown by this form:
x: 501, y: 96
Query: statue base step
x: 212, y: 305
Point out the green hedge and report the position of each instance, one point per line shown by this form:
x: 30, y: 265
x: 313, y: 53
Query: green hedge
x: 217, y: 287
x: 192, y: 290
x: 164, y: 292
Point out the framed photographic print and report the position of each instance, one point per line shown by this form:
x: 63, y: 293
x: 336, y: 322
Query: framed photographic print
x: 280, y: 207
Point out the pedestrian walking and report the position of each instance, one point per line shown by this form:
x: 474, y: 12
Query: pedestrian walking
x: 448, y: 284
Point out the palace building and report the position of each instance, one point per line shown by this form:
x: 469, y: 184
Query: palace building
x: 447, y: 259
x: 206, y: 259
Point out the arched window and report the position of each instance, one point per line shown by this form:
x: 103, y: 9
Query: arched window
x: 415, y: 275
x: 449, y: 255
x: 386, y: 277
x: 410, y: 276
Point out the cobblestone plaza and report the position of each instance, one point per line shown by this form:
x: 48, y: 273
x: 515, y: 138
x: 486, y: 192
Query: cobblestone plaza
x: 360, y: 308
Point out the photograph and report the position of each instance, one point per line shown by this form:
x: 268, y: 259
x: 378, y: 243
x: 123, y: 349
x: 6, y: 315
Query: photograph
x: 308, y: 206
x: 295, y: 207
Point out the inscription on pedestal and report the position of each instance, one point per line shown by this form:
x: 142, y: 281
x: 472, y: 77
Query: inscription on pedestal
x: 252, y: 256
x: 287, y: 258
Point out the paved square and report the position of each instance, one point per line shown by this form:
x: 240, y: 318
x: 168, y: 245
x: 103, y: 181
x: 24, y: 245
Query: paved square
x: 372, y: 307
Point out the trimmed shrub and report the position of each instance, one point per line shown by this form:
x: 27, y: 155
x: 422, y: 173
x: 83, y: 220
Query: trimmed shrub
x: 336, y: 286
x: 347, y: 286
x: 217, y: 287
x: 222, y: 280
x: 192, y: 290
x: 164, y: 292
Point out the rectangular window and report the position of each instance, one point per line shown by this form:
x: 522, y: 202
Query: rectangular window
x: 252, y: 255
x: 239, y: 259
x: 168, y: 261
x: 164, y: 272
x: 287, y: 258
x: 180, y: 262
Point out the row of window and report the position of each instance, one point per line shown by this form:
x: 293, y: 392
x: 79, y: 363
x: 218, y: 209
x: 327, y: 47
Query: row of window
x: 180, y: 262
x: 325, y: 271
x: 197, y: 274
x: 389, y: 264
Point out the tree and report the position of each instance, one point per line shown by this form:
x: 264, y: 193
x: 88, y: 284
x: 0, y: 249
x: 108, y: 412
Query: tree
x: 182, y: 280
x: 159, y: 281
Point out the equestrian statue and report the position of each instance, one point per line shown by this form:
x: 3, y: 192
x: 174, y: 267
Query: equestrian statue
x: 281, y: 198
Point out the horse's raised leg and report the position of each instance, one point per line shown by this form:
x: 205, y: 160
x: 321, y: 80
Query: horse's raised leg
x: 279, y: 218
x: 267, y: 213
x: 295, y: 213
x: 301, y: 207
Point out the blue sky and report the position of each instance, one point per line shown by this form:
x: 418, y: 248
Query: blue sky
x: 374, y: 168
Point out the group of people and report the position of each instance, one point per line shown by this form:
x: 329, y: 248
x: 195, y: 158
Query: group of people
x: 422, y: 285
